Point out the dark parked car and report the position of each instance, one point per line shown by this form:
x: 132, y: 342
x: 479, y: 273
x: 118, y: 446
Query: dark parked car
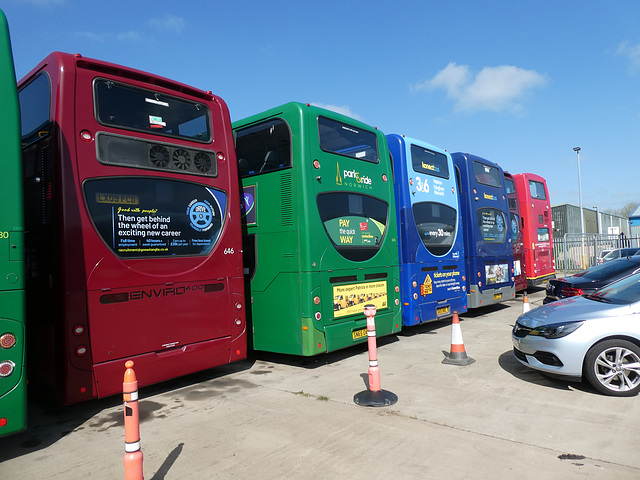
x: 591, y: 279
x: 618, y: 253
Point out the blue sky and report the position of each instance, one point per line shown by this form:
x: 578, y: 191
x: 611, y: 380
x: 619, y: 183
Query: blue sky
x: 517, y: 82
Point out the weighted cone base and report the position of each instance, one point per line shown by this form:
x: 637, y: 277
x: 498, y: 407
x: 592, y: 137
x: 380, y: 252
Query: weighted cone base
x: 457, y: 359
x: 380, y: 398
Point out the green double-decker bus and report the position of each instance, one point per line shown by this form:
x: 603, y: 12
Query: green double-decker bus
x: 13, y: 382
x: 320, y: 239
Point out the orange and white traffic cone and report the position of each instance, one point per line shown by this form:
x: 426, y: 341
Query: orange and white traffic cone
x: 525, y: 303
x: 458, y: 354
x: 133, y: 455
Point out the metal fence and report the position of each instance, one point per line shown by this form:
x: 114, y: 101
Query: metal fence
x: 576, y: 251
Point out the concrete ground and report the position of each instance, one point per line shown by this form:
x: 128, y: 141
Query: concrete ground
x: 279, y: 417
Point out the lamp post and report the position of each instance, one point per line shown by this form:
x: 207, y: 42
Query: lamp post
x: 597, y: 220
x: 577, y: 150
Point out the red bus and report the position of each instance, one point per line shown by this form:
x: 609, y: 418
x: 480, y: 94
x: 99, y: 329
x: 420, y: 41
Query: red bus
x: 132, y: 234
x: 515, y: 223
x: 535, y: 209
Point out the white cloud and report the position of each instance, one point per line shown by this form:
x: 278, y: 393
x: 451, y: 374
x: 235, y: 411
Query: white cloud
x: 342, y: 109
x: 130, y: 36
x: 632, y: 52
x: 493, y: 88
x: 168, y: 23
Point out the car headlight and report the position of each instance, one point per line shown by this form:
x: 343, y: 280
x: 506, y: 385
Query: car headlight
x: 556, y: 330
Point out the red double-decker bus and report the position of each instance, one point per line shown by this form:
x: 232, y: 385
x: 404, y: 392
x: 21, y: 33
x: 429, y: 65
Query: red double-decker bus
x: 535, y: 209
x: 133, y: 237
x: 515, y: 228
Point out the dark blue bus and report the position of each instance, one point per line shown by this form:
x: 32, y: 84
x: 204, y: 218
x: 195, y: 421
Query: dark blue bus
x: 432, y: 274
x: 487, y: 241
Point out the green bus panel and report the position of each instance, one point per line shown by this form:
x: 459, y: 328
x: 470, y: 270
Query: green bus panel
x: 13, y: 382
x: 320, y: 238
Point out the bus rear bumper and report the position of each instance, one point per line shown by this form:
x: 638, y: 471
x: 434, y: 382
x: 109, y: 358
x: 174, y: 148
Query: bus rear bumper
x: 477, y: 298
x: 541, y: 280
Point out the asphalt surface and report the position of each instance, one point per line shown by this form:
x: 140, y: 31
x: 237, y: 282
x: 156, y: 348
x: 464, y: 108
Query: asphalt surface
x: 280, y: 417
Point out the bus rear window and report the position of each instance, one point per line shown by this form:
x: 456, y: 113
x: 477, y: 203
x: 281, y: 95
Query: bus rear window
x: 123, y: 106
x: 543, y: 235
x: 515, y: 227
x: 355, y: 223
x: 436, y: 225
x: 429, y: 162
x: 342, y: 139
x: 537, y: 190
x: 486, y: 174
x: 492, y: 223
x: 152, y: 217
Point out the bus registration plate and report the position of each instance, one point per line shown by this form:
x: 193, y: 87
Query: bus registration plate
x: 497, y: 296
x: 359, y: 333
x: 443, y: 310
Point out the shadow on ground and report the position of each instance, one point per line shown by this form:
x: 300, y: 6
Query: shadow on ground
x: 510, y: 365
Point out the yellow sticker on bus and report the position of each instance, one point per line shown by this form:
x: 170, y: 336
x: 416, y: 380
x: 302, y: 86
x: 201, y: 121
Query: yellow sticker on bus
x: 351, y: 299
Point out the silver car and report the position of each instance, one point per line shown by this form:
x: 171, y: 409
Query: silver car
x: 595, y: 336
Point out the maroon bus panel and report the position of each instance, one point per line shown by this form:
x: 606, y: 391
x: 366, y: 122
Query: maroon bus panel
x: 516, y: 226
x: 134, y: 247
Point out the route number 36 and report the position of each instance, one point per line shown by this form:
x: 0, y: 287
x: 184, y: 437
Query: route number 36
x: 422, y: 186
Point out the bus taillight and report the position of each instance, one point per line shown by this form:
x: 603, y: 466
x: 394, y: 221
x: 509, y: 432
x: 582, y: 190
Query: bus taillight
x: 384, y: 178
x: 6, y: 368
x: 238, y: 322
x: 238, y: 306
x: 81, y: 351
x: 316, y: 300
x: 86, y: 135
x: 220, y: 156
x: 7, y: 340
x: 78, y: 330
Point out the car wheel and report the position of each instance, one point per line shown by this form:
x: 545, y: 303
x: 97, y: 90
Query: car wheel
x: 613, y: 367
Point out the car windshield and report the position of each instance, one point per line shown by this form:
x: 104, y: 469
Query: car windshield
x: 607, y: 270
x: 624, y: 291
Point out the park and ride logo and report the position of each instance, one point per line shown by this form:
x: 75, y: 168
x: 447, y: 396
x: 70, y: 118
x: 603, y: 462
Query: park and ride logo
x: 352, y: 178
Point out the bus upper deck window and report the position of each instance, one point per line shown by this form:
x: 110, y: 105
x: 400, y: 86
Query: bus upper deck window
x: 138, y: 109
x: 347, y: 140
x: 263, y: 148
x: 486, y: 174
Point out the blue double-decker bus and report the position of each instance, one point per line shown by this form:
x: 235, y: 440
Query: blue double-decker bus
x: 487, y: 241
x: 432, y: 273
